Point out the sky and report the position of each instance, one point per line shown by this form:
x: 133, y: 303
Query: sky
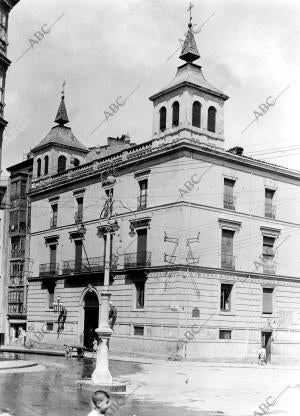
x: 113, y: 48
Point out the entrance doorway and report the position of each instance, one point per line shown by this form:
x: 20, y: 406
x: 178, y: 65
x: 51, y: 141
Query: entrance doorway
x: 91, y: 317
x: 266, y: 342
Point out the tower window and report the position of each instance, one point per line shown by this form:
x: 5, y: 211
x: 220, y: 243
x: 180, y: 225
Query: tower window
x: 196, y: 116
x: 38, y: 173
x: 46, y: 165
x: 162, y: 119
x: 211, y: 120
x: 62, y: 162
x: 175, y: 116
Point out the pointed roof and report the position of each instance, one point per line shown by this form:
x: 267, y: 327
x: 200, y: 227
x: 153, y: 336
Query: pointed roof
x: 190, y: 74
x: 62, y: 116
x: 189, y: 52
x: 61, y: 135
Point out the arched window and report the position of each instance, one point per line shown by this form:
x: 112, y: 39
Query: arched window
x: 162, y: 119
x: 39, y: 164
x: 196, y: 115
x: 62, y: 161
x: 46, y: 165
x: 211, y: 119
x: 175, y: 116
x: 76, y: 162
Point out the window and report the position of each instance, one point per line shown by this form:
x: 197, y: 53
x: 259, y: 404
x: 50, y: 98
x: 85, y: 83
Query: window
x: 229, y: 199
x: 53, y: 250
x: 14, y: 190
x: 138, y: 330
x: 195, y: 313
x: 268, y: 255
x: 267, y: 300
x: 79, y: 213
x: 227, y: 259
x: 46, y: 165
x: 39, y: 165
x: 224, y: 334
x: 141, y: 258
x: 140, y: 295
x: 196, y: 115
x: 62, y: 163
x: 23, y: 190
x: 211, y: 119
x: 162, y: 119
x: 78, y: 255
x: 50, y: 296
x: 49, y: 326
x: 175, y: 114
x: 225, y: 299
x: 76, y: 162
x: 142, y: 199
x: 53, y: 219
x: 269, y: 207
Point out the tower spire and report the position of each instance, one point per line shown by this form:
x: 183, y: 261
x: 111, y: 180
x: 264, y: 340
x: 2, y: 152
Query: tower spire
x: 189, y: 52
x: 62, y: 116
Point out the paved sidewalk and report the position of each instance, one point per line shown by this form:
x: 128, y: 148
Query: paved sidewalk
x: 148, y: 360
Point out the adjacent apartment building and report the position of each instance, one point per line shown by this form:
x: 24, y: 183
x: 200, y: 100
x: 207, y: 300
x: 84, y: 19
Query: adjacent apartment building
x: 204, y: 239
x: 5, y: 8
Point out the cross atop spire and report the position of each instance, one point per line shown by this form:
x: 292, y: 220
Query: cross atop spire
x: 62, y: 116
x: 190, y: 10
x: 189, y: 51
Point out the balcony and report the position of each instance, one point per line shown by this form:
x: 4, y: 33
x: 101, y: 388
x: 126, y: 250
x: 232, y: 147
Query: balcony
x: 17, y: 253
x: 229, y: 201
x: 48, y: 269
x: 78, y: 217
x: 16, y: 309
x: 227, y: 262
x: 270, y: 211
x: 17, y: 228
x: 137, y: 259
x: 93, y: 264
x: 142, y: 202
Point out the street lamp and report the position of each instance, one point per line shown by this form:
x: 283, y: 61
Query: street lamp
x: 57, y: 306
x: 101, y: 374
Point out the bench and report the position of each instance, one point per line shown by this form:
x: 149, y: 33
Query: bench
x: 78, y: 348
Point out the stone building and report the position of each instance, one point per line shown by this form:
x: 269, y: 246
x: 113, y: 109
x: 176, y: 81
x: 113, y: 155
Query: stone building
x: 5, y: 8
x: 204, y: 238
x: 18, y: 265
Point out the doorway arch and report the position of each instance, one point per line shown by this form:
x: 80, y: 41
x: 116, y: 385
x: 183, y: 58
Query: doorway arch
x: 91, y: 318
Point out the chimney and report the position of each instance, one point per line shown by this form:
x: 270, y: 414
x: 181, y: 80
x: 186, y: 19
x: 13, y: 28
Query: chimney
x: 237, y: 150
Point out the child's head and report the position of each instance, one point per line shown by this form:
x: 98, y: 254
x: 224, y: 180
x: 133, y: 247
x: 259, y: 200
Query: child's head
x: 101, y: 400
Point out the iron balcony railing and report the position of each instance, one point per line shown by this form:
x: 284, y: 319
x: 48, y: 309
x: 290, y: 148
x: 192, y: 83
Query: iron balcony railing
x: 229, y: 201
x: 17, y: 253
x: 92, y: 264
x: 137, y: 259
x: 227, y: 262
x: 48, y: 269
x: 142, y: 202
x: 270, y: 211
x: 78, y: 217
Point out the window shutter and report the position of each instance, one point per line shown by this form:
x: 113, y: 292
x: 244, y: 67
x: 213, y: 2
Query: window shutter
x: 267, y: 300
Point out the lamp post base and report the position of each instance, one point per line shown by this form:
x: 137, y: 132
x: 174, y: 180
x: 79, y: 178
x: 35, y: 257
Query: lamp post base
x: 115, y: 388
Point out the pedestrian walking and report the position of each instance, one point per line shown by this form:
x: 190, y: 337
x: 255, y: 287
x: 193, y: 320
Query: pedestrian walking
x: 101, y: 403
x: 262, y: 356
x: 112, y: 316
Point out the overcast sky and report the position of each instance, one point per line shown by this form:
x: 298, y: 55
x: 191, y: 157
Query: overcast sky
x: 105, y: 49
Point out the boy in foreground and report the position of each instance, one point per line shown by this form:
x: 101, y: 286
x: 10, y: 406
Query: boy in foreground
x: 101, y: 402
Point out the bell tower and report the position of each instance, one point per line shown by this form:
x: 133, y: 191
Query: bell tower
x: 189, y: 106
